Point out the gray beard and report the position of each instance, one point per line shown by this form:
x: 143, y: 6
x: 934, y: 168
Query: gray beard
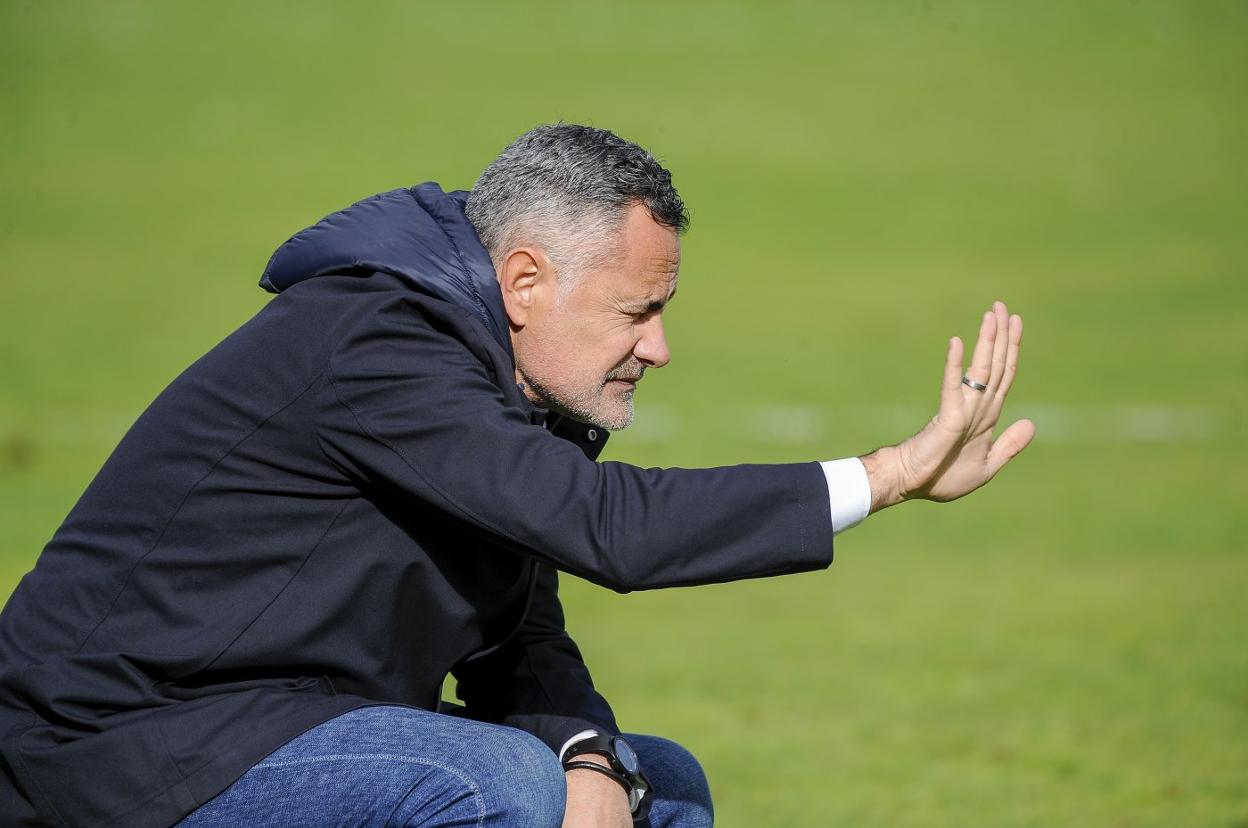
x: 582, y: 409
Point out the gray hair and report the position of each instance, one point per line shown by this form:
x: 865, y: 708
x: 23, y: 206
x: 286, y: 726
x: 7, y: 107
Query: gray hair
x: 566, y: 188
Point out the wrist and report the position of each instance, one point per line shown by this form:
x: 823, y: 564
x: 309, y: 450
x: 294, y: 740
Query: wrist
x: 595, y: 799
x: 594, y: 785
x: 590, y: 757
x: 883, y: 468
x: 612, y: 758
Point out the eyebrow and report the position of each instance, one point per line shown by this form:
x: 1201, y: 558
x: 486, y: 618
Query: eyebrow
x: 658, y: 305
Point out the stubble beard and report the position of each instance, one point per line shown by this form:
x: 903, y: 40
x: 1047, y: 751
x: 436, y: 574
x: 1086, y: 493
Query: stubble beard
x: 592, y: 406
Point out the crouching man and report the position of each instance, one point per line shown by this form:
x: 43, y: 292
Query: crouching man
x: 371, y: 485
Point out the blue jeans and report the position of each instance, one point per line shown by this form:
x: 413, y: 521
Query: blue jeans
x: 400, y: 767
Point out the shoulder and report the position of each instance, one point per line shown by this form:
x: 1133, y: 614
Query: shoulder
x: 383, y: 330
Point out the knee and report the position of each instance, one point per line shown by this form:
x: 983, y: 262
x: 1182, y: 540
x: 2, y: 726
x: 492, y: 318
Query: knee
x: 529, y: 786
x: 678, y: 779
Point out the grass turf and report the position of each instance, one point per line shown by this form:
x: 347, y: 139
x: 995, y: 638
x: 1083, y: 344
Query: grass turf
x: 1064, y: 647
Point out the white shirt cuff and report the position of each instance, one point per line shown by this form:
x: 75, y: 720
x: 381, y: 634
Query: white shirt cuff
x: 849, y: 492
x: 584, y: 734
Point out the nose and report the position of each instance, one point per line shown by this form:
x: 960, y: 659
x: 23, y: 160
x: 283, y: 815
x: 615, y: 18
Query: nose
x: 652, y: 348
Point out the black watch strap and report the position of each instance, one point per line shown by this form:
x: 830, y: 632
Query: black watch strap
x: 630, y: 776
x: 603, y: 769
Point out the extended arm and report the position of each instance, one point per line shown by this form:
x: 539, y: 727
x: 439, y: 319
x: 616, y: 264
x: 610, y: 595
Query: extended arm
x: 415, y: 411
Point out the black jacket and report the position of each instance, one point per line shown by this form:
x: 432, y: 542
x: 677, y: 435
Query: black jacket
x: 343, y: 502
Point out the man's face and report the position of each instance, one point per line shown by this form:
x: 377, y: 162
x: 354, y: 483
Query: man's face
x: 583, y: 349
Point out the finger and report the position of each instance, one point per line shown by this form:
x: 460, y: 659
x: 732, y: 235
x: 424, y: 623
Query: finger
x: 1011, y: 366
x: 1013, y: 440
x: 1000, y: 344
x: 1015, y: 339
x: 981, y: 359
x: 951, y: 385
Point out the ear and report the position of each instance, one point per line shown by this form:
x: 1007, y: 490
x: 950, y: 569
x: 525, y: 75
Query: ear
x: 525, y: 278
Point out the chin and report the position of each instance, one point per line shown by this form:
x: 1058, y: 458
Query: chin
x: 617, y: 420
x: 611, y: 412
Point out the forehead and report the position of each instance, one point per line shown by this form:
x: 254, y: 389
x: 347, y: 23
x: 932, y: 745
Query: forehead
x: 647, y: 258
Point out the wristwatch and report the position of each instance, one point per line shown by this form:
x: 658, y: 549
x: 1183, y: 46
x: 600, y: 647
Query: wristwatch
x: 624, y: 768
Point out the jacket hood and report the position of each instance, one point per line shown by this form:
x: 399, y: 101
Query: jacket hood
x: 419, y: 234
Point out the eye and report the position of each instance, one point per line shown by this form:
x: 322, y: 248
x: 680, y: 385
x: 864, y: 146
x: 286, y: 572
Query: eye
x: 653, y: 309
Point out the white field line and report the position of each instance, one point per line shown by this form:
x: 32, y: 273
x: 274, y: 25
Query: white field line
x: 1055, y: 422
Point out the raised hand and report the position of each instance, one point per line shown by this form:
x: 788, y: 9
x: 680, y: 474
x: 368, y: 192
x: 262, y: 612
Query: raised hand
x: 955, y: 453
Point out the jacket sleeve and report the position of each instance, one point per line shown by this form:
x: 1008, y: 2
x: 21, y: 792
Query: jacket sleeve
x: 417, y: 410
x: 537, y: 681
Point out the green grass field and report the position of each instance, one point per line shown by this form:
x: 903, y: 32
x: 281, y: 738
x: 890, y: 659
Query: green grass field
x: 1068, y: 647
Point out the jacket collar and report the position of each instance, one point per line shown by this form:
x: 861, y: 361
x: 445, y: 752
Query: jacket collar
x: 590, y: 439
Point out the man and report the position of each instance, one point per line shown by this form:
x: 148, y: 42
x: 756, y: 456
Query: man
x: 248, y: 617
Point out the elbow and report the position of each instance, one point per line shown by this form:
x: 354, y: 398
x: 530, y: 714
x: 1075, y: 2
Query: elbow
x: 613, y: 568
x: 611, y: 575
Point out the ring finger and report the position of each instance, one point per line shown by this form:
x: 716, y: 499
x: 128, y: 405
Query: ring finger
x: 981, y: 358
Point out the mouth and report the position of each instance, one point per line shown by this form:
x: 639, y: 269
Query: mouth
x: 629, y: 381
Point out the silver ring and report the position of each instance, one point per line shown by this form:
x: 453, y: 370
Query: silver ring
x: 977, y: 386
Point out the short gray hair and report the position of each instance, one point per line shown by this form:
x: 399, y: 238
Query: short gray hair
x: 566, y: 188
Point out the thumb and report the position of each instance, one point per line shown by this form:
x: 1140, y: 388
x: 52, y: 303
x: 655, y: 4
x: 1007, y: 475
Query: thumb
x: 1013, y: 440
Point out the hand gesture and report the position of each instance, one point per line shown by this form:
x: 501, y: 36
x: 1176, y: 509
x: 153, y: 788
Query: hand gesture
x: 955, y: 453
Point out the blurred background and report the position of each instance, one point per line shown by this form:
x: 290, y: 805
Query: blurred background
x: 1068, y: 646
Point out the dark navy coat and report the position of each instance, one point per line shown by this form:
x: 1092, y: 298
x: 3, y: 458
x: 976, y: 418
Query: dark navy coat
x: 343, y: 502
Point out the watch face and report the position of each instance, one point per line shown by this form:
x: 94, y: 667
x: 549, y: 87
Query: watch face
x: 624, y: 753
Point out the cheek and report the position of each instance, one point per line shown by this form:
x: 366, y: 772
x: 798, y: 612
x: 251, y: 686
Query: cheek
x: 580, y: 351
x: 619, y: 338
x: 606, y: 342
x: 571, y: 356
